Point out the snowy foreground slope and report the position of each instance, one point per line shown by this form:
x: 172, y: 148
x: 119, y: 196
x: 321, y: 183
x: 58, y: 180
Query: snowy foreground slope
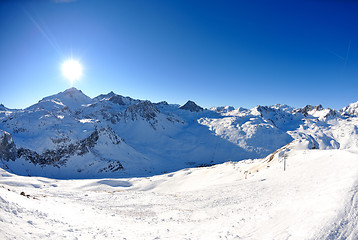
x: 315, y: 198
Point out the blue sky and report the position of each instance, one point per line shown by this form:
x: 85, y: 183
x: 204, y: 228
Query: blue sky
x: 239, y: 53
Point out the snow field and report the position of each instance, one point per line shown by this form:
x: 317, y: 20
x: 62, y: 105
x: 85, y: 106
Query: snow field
x: 315, y: 198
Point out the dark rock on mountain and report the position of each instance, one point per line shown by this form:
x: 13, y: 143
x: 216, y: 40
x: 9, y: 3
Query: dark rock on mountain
x: 104, y: 96
x: 163, y: 103
x: 3, y: 108
x: 113, y: 166
x: 144, y: 110
x: 7, y: 147
x: 332, y: 113
x: 117, y: 100
x: 57, y: 157
x: 305, y: 110
x: 265, y: 109
x: 318, y: 108
x: 308, y: 108
x: 114, y: 98
x: 191, y: 106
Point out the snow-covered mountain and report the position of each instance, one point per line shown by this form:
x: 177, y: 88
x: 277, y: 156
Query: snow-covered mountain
x: 70, y: 135
x: 273, y: 183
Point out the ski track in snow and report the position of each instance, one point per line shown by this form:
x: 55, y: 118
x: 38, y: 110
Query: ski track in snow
x: 315, y: 198
x: 345, y: 226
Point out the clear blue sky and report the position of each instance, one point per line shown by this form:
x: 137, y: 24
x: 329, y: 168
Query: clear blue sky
x: 240, y: 53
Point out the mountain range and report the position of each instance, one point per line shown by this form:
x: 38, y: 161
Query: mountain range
x: 70, y: 135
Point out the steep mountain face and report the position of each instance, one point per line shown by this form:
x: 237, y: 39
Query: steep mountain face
x: 3, y: 108
x: 350, y: 110
x: 69, y: 135
x: 143, y: 110
x: 7, y: 147
x: 191, y: 106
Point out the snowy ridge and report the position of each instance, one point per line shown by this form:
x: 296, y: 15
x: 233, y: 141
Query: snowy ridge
x: 350, y: 110
x: 158, y: 137
x: 3, y: 108
x: 72, y: 98
x: 224, y: 109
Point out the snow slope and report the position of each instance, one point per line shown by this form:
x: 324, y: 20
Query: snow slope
x: 315, y: 198
x: 134, y: 169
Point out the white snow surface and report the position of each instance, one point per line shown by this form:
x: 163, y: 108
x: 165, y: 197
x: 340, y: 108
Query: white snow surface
x: 351, y: 109
x: 315, y: 198
x: 113, y: 167
x: 72, y: 98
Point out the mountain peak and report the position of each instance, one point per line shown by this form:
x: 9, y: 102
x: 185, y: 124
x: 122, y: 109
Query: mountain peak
x: 105, y: 96
x: 73, y: 93
x: 72, y: 90
x: 2, y: 107
x: 351, y: 109
x: 72, y: 97
x: 191, y: 106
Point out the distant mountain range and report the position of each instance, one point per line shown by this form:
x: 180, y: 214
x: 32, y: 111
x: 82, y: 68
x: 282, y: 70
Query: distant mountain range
x: 70, y: 135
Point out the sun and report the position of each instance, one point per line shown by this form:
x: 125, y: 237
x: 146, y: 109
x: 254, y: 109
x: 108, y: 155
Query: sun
x: 72, y: 70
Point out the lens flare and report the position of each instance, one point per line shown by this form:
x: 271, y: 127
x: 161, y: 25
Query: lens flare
x: 72, y: 70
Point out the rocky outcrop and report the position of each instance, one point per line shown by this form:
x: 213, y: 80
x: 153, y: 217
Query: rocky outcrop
x: 57, y: 157
x: 162, y: 103
x: 263, y: 110
x: 191, y: 106
x: 114, y: 98
x: 331, y: 113
x: 117, y: 100
x: 7, y: 147
x: 143, y: 110
x: 113, y: 166
x: 309, y: 108
x: 104, y: 96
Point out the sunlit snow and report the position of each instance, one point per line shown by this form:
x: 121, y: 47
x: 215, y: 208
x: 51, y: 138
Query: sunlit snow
x: 113, y: 167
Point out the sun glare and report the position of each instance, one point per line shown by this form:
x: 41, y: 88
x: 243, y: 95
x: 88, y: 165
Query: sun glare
x: 72, y: 70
